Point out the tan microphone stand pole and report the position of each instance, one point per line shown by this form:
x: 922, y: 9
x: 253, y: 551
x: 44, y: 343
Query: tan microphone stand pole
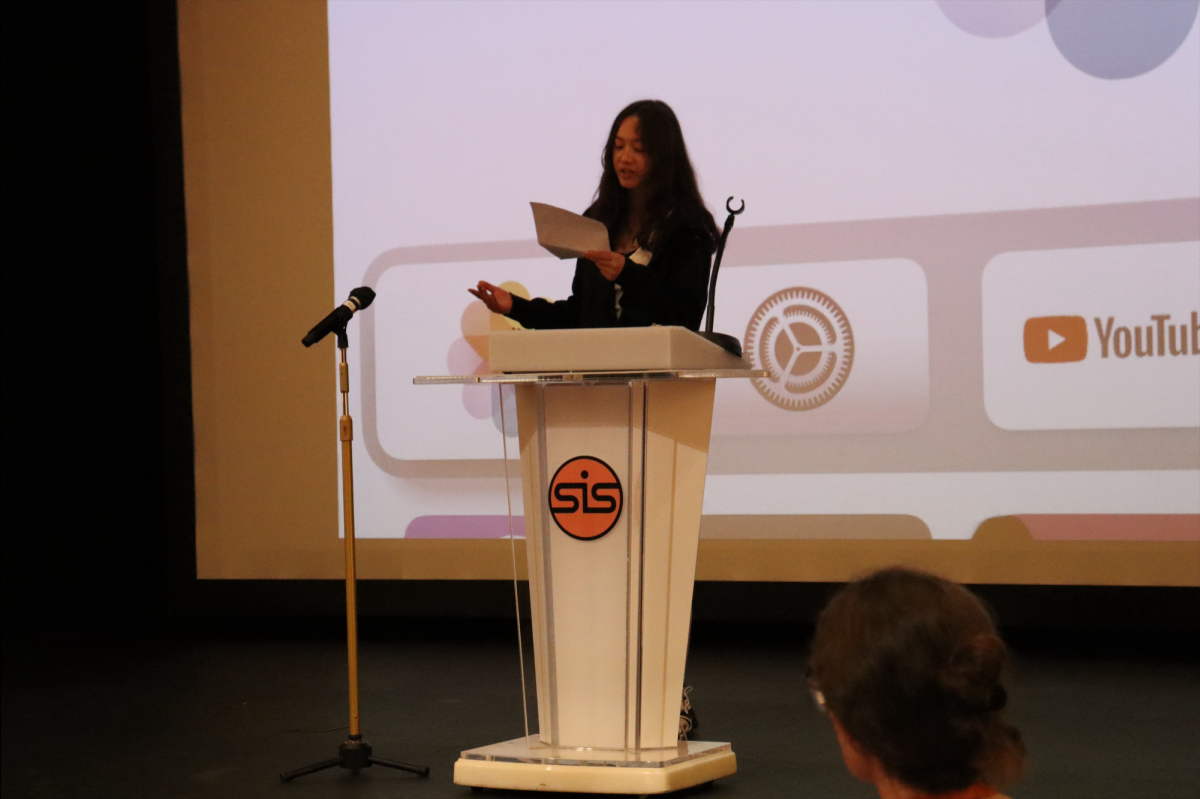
x: 354, y: 753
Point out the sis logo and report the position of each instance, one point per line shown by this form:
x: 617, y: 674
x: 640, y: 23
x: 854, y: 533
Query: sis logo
x: 586, y: 498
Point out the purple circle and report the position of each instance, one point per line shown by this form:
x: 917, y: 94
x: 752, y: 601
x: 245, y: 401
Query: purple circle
x: 994, y: 19
x: 1118, y: 39
x: 507, y: 396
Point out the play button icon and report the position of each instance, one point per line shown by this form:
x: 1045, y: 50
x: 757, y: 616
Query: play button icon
x: 1055, y: 339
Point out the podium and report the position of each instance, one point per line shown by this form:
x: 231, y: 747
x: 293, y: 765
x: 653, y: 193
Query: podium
x: 613, y: 426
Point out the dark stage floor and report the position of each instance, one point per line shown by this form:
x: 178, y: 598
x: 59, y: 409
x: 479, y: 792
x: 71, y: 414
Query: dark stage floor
x: 218, y: 711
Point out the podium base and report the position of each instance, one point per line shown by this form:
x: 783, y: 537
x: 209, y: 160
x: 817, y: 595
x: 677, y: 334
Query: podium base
x: 529, y: 765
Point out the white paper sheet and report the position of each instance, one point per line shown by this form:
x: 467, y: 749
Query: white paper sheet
x: 567, y: 234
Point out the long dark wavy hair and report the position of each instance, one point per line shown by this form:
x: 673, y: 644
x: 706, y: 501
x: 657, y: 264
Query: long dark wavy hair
x: 911, y: 665
x: 670, y: 185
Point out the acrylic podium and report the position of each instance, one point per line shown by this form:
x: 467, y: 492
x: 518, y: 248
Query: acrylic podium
x: 613, y: 426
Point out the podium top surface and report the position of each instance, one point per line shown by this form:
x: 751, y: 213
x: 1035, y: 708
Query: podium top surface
x: 588, y: 377
x: 598, y: 354
x: 612, y: 349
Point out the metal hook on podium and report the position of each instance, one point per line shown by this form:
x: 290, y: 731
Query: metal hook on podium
x: 728, y: 343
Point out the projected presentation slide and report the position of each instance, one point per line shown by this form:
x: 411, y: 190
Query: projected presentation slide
x: 984, y: 213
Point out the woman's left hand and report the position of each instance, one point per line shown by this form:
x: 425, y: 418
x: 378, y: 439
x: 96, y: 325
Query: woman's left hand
x: 610, y: 264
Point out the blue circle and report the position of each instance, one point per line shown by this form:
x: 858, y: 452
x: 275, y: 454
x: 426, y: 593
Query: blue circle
x: 1118, y: 39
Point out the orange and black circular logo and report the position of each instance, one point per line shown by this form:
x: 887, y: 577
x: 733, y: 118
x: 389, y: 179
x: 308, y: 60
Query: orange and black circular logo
x: 585, y: 498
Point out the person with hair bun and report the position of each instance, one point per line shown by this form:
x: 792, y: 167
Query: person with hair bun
x: 661, y: 237
x: 908, y: 668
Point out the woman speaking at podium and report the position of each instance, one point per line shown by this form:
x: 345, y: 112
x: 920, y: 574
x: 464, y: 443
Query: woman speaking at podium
x: 660, y: 233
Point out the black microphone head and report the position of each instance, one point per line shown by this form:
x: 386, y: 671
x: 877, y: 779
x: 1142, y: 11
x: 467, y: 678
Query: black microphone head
x: 363, y: 296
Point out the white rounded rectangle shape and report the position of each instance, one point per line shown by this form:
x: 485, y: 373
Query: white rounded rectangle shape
x: 885, y: 305
x: 420, y: 317
x: 1093, y: 338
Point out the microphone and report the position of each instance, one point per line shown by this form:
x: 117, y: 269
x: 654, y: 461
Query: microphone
x: 360, y: 298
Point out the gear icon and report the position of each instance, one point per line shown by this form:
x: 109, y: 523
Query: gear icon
x: 803, y: 340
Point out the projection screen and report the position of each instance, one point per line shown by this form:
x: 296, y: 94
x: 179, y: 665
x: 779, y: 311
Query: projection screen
x: 996, y: 199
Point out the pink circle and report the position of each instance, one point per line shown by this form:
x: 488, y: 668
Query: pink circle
x: 994, y: 19
x: 477, y: 399
x: 461, y: 358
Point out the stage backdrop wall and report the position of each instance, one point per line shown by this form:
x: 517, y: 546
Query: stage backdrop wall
x: 991, y: 212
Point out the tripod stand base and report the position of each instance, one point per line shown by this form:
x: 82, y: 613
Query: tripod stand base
x: 355, y: 755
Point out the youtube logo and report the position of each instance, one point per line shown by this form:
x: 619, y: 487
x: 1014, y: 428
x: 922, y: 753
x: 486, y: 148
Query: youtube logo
x: 1056, y: 339
x: 1137, y: 305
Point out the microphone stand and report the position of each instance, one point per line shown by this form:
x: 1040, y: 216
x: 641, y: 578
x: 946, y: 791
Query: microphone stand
x: 354, y: 753
x: 727, y: 343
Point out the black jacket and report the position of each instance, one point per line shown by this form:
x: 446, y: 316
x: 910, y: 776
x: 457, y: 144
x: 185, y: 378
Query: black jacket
x: 671, y: 290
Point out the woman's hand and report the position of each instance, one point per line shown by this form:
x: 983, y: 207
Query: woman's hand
x: 495, y: 298
x: 610, y: 264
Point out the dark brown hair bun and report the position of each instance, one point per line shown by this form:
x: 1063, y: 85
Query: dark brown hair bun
x: 911, y: 666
